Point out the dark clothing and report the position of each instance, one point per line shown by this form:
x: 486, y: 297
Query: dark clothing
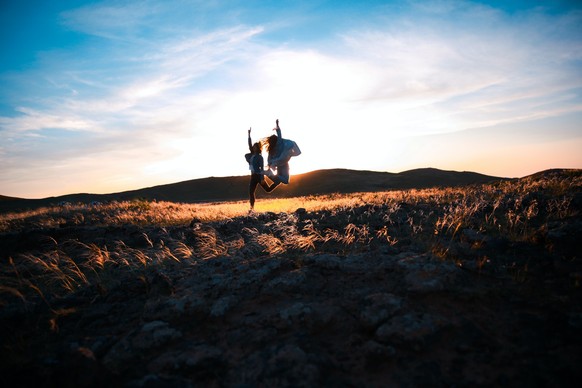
x: 275, y: 153
x: 257, y: 179
x: 255, y: 161
x: 279, y: 159
x: 256, y: 165
x: 282, y: 175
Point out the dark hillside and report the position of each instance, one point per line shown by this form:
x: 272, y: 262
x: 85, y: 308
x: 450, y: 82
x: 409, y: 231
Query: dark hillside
x: 234, y: 188
x: 5, y: 198
x: 432, y: 177
x: 553, y: 172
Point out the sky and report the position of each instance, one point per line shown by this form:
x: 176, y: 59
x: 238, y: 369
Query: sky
x: 109, y: 96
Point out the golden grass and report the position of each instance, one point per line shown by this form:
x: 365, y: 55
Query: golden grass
x: 432, y: 219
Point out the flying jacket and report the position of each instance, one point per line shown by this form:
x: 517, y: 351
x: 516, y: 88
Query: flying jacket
x: 284, y: 150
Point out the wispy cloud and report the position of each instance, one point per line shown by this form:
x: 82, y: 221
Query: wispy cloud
x: 164, y: 91
x: 111, y: 20
x: 143, y: 99
x: 480, y: 62
x: 33, y: 120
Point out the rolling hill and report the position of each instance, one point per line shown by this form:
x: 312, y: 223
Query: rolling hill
x: 5, y: 198
x: 215, y: 189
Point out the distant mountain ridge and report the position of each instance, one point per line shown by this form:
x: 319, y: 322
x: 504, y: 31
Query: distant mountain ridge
x: 5, y: 198
x: 234, y: 188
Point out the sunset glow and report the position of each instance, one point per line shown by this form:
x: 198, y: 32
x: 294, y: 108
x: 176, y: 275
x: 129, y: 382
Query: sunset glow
x: 107, y: 96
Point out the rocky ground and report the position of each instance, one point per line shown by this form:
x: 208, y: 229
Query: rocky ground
x: 351, y: 311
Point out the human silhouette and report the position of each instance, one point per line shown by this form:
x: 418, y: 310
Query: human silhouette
x: 279, y: 152
x: 256, y: 165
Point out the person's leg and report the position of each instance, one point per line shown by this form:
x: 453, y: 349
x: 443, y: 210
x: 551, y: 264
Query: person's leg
x: 281, y: 177
x: 270, y: 174
x: 264, y: 184
x: 283, y: 173
x: 268, y: 188
x: 252, y: 187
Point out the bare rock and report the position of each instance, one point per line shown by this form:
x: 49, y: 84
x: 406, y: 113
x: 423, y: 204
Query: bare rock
x: 198, y: 359
x: 377, y: 353
x: 290, y: 366
x: 325, y: 260
x: 222, y: 306
x: 378, y: 308
x: 156, y: 381
x: 169, y: 309
x: 425, y: 275
x: 287, y: 281
x: 411, y: 328
x: 154, y: 334
x: 127, y: 349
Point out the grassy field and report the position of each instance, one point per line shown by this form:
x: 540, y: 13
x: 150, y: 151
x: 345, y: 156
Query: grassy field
x: 523, y: 231
x: 437, y: 219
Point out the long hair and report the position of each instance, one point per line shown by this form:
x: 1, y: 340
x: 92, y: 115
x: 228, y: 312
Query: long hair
x: 257, y: 147
x: 270, y: 143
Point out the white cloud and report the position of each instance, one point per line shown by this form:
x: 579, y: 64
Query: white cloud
x: 33, y: 120
x: 493, y: 67
x: 111, y: 20
x: 177, y: 105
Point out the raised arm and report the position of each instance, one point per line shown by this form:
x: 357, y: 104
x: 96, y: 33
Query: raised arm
x: 277, y: 129
x: 250, y: 141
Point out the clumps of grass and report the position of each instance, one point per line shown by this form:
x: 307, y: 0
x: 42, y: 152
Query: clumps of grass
x: 466, y: 225
x: 136, y: 212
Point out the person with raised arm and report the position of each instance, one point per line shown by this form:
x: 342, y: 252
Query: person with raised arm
x: 280, y: 151
x: 256, y: 165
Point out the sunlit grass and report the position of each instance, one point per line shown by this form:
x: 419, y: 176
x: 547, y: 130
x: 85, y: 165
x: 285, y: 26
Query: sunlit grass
x: 160, y: 213
x: 138, y: 238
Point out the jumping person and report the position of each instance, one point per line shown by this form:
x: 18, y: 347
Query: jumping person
x: 256, y: 163
x: 280, y: 151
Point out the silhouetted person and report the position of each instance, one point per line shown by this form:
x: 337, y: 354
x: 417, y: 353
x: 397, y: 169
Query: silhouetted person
x: 280, y: 151
x: 256, y: 163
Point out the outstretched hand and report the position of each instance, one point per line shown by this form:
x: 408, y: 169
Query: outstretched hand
x: 249, y: 130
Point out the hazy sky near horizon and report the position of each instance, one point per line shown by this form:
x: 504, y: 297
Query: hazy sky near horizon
x: 108, y: 96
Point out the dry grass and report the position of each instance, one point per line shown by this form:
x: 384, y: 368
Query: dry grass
x: 79, y: 246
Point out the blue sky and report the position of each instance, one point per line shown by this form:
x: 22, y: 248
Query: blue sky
x: 107, y: 96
